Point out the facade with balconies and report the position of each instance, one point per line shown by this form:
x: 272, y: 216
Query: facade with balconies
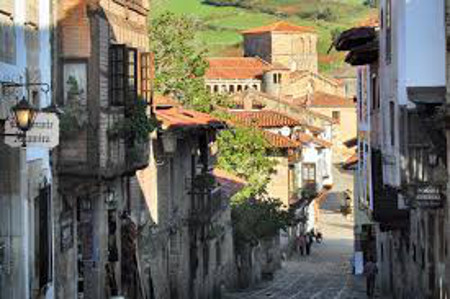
x: 402, y: 147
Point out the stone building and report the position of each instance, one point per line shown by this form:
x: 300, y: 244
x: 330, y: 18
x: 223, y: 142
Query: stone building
x: 281, y: 43
x: 303, y: 159
x: 24, y: 59
x: 186, y: 242
x: 343, y: 113
x: 101, y: 67
x: 280, y: 59
x: 279, y: 71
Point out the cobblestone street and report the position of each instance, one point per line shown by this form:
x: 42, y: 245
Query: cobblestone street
x: 325, y: 273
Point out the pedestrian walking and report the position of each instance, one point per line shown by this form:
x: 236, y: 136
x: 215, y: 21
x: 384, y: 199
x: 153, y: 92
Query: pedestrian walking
x: 301, y: 244
x: 370, y: 271
x: 309, y: 241
x: 319, y: 237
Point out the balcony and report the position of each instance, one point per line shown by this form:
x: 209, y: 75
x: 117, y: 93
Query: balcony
x: 387, y: 209
x: 427, y: 95
x: 387, y: 200
x: 207, y: 198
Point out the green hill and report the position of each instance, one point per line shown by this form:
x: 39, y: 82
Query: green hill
x: 220, y: 21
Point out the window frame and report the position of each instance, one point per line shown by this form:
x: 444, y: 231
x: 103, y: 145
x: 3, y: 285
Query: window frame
x: 338, y: 118
x: 306, y: 180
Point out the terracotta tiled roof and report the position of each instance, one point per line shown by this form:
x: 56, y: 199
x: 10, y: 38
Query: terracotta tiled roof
x: 177, y: 117
x: 236, y: 68
x: 313, y: 129
x: 320, y: 99
x: 305, y: 138
x: 264, y: 119
x: 351, y: 161
x: 160, y: 100
x: 280, y: 26
x: 230, y: 183
x: 279, y: 141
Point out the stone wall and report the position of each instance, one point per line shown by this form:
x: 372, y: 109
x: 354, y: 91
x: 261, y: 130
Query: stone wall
x: 253, y: 263
x: 295, y: 51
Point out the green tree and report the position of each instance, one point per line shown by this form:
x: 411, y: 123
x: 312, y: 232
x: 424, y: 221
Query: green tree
x: 243, y: 151
x: 258, y: 219
x: 180, y: 63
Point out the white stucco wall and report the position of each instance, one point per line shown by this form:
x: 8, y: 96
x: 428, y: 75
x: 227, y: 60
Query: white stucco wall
x: 425, y: 42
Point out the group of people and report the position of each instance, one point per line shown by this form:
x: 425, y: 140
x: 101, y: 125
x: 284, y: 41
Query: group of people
x: 304, y: 241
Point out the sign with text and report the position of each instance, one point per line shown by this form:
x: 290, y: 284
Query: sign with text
x: 44, y: 133
x: 429, y: 197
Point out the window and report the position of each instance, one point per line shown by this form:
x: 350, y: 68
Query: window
x: 218, y: 253
x: 374, y: 93
x: 7, y: 39
x: 123, y: 75
x: 392, y: 122
x: 308, y: 173
x: 147, y: 72
x: 336, y: 116
x: 75, y: 82
x: 43, y: 231
x: 276, y: 78
x: 388, y: 23
x: 33, y: 47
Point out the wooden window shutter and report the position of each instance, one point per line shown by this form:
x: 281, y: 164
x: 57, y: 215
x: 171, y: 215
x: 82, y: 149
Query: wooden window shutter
x: 147, y: 73
x: 131, y: 80
x: 117, y: 74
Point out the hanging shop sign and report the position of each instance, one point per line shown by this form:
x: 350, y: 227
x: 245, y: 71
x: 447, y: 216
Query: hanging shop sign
x: 429, y: 196
x: 44, y: 133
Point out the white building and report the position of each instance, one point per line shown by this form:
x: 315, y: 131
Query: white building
x: 401, y: 174
x: 25, y: 57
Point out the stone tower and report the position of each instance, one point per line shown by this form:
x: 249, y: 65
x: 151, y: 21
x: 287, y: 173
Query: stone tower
x: 294, y: 47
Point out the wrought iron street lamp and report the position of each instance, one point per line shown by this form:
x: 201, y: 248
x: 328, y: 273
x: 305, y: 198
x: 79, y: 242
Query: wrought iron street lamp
x: 24, y: 115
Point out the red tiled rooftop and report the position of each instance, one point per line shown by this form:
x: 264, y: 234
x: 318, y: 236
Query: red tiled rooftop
x: 264, y: 119
x: 305, y: 138
x: 320, y: 99
x: 177, y: 117
x: 280, y: 26
x: 279, y: 141
x: 236, y: 68
x: 230, y: 183
x: 351, y: 161
x: 160, y: 100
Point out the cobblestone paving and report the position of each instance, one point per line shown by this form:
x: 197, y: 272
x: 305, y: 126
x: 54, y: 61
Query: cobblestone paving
x: 324, y: 274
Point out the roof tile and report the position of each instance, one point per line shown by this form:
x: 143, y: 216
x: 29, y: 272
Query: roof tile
x: 236, y: 68
x: 177, y: 117
x: 280, y: 26
x: 264, y: 119
x: 230, y: 183
x: 320, y: 99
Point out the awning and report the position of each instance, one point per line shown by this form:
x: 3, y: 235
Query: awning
x: 355, y: 37
x: 364, y: 54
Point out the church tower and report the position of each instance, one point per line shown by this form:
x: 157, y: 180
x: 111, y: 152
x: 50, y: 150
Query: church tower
x: 281, y: 43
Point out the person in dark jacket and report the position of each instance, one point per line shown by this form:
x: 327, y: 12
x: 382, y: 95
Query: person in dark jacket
x: 370, y: 271
x: 309, y: 241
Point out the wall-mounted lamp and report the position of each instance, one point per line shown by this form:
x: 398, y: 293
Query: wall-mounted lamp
x: 433, y: 158
x: 24, y: 115
x: 110, y: 198
x: 169, y: 142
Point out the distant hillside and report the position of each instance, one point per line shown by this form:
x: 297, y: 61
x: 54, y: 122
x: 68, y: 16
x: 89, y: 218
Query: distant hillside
x: 220, y: 21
